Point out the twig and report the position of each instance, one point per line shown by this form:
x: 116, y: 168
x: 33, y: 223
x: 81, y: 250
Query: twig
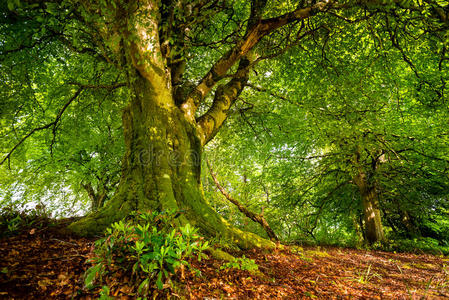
x: 65, y: 242
x: 99, y: 86
x: 65, y: 256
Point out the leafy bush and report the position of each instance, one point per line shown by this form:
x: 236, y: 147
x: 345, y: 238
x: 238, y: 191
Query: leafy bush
x: 241, y: 263
x: 150, y: 246
x: 13, y: 223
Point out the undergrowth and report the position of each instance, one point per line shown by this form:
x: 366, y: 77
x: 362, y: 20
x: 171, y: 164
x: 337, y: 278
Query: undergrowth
x: 12, y: 221
x: 148, y: 246
x: 417, y: 245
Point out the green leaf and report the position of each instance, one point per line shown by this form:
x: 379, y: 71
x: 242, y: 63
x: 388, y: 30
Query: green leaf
x: 159, y: 283
x: 91, y: 274
x: 143, y: 286
x: 11, y: 4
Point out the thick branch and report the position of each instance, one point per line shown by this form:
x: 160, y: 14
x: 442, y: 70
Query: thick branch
x: 241, y: 49
x: 256, y: 218
x: 225, y: 97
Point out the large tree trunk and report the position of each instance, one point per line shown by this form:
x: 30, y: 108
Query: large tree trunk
x: 371, y: 212
x: 161, y: 170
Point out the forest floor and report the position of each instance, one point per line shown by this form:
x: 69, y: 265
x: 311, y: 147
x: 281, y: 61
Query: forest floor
x: 42, y: 264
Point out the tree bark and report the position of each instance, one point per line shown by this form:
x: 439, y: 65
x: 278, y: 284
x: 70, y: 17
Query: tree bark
x: 97, y: 198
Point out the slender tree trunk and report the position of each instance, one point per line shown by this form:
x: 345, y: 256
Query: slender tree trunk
x: 371, y: 212
x: 357, y: 228
x: 362, y: 226
x: 407, y: 221
x: 390, y: 223
x: 97, y: 198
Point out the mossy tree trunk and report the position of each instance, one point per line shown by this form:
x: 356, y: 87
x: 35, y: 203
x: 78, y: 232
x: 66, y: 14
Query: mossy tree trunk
x: 163, y: 134
x: 373, y: 230
x: 371, y: 212
x: 161, y: 169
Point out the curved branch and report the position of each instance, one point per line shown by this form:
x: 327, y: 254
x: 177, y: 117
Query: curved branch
x: 256, y: 218
x: 225, y: 96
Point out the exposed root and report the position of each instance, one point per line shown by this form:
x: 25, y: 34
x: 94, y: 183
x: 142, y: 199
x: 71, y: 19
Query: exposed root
x: 200, y: 215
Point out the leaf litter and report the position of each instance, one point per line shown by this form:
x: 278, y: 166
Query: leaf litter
x: 46, y: 264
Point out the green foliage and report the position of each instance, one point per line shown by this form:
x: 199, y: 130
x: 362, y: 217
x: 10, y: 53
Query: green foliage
x: 12, y: 222
x: 150, y: 246
x: 367, y: 84
x: 417, y: 245
x: 104, y: 294
x: 241, y: 263
x: 301, y: 168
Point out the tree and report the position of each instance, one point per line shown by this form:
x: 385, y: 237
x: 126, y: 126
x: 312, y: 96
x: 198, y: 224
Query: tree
x: 366, y: 128
x: 152, y: 47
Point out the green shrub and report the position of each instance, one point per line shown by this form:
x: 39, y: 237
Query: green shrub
x: 149, y: 245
